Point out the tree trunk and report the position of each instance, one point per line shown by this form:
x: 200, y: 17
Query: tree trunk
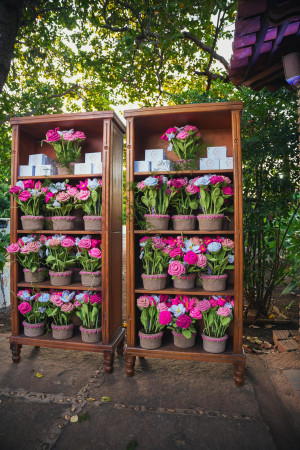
x: 10, y: 20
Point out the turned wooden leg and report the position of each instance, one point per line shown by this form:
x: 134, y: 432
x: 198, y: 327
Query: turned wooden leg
x: 239, y: 370
x: 108, y: 362
x: 129, y: 365
x: 15, y: 351
x: 120, y: 348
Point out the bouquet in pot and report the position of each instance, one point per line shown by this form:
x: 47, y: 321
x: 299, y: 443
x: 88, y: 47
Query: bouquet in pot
x: 30, y: 253
x: 67, y: 147
x: 150, y: 307
x: 30, y: 197
x: 186, y: 143
x: 155, y: 259
x: 218, y: 254
x: 60, y: 309
x: 89, y: 256
x: 33, y: 308
x: 185, y: 202
x: 89, y: 198
x: 156, y: 197
x: 60, y: 256
x: 60, y: 201
x: 88, y: 309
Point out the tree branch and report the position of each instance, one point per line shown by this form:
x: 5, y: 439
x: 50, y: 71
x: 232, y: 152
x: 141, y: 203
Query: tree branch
x: 206, y: 48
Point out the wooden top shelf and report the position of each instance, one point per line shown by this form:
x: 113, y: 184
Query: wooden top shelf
x: 184, y: 232
x: 61, y: 177
x: 182, y: 172
x: 193, y: 291
x: 70, y: 287
x: 58, y: 232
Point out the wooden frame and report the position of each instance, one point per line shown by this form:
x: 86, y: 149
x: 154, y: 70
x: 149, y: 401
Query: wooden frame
x: 219, y: 124
x: 104, y: 132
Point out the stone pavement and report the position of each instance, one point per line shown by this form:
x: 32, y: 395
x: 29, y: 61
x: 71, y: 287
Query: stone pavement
x: 166, y: 405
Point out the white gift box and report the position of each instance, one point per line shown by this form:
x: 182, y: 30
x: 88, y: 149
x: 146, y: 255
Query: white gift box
x: 163, y: 165
x: 226, y: 163
x: 26, y: 171
x: 209, y: 163
x: 154, y: 154
x: 142, y: 166
x: 97, y: 167
x: 45, y: 169
x: 216, y: 152
x: 82, y: 168
x: 94, y: 158
x: 38, y: 159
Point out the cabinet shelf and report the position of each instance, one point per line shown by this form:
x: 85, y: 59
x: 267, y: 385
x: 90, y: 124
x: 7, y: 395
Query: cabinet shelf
x: 193, y: 291
x: 57, y: 232
x: 183, y: 172
x: 61, y: 177
x: 70, y: 287
x: 219, y: 232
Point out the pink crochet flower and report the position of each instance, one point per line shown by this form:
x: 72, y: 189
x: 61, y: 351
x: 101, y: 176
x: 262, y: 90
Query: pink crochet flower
x: 54, y: 242
x: 83, y: 195
x: 24, y: 249
x: 62, y: 197
x: 79, y: 135
x: 77, y: 304
x: 55, y: 298
x: 45, y: 190
x: 221, y: 301
x: 213, y: 302
x: 67, y: 307
x: 216, y: 179
x: 95, y: 253
x: 141, y: 185
x: 165, y: 317
x: 72, y: 191
x: 67, y: 242
x: 190, y: 128
x: 191, y: 189
x: 228, y: 243
x: 48, y: 196
x: 158, y: 242
x: 143, y: 301
x: 227, y: 180
x: 68, y: 137
x: 175, y: 252
x: 176, y: 268
x: 84, y: 243
x: 24, y: 308
x: 162, y: 307
x: 202, y: 260
x: 24, y: 196
x: 28, y: 184
x: 182, y: 135
x: 95, y: 298
x: 224, y: 311
x: 190, y: 258
x: 52, y: 135
x: 195, y: 313
x: 33, y: 247
x: 196, y: 241
x: 170, y: 241
x: 203, y: 306
x: 38, y: 185
x: 13, y: 248
x: 227, y: 190
x: 15, y: 190
x: 183, y: 321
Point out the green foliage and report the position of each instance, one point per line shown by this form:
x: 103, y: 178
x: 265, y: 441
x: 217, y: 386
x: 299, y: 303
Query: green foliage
x: 4, y: 242
x: 4, y: 200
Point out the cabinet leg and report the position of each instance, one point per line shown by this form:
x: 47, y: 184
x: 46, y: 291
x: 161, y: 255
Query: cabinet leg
x: 120, y: 348
x: 108, y: 362
x: 16, y: 352
x: 239, y: 370
x: 129, y: 365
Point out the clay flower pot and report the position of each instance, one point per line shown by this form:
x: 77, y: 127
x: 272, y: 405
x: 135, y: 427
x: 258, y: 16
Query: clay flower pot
x: 157, y: 221
x: 150, y: 341
x: 185, y: 281
x: 76, y: 277
x: 90, y: 279
x: 214, y: 344
x: 62, y: 170
x: 92, y: 223
x: 33, y: 329
x: 210, y: 222
x: 34, y: 277
x: 90, y: 335
x: 60, y: 278
x: 181, y: 341
x: 63, y: 223
x: 62, y: 331
x: 32, y: 222
x: 214, y: 282
x: 154, y: 282
x: 184, y: 223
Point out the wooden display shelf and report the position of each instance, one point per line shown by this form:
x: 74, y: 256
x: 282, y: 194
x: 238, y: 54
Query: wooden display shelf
x: 104, y: 133
x: 219, y: 125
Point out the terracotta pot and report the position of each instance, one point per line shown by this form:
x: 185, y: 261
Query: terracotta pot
x: 185, y: 281
x: 62, y: 331
x: 60, y: 278
x: 214, y: 344
x: 90, y: 279
x: 48, y: 224
x: 210, y: 222
x: 34, y: 277
x: 63, y: 223
x: 184, y: 223
x: 181, y: 341
x: 76, y: 277
x: 92, y: 223
x: 62, y: 170
x: 150, y: 341
x: 154, y: 282
x: 32, y: 222
x: 90, y: 335
x: 157, y: 221
x: 33, y: 329
x: 214, y: 282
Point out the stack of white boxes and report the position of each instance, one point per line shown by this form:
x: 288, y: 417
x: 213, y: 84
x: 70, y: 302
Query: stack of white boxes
x: 216, y: 159
x: 155, y: 161
x: 92, y: 164
x: 38, y: 164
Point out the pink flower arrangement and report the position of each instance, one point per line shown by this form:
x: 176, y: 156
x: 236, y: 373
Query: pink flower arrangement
x: 217, y: 314
x: 29, y: 252
x: 185, y: 141
x: 89, y: 196
x: 214, y: 193
x: 89, y: 254
x: 150, y: 312
x: 29, y: 196
x: 183, y: 312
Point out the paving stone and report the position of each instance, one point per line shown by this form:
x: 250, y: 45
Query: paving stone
x: 293, y: 375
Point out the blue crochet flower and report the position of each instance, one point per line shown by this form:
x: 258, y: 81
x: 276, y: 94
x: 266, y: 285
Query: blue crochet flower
x: 189, y: 246
x: 67, y: 296
x: 202, y: 181
x: 151, y: 181
x: 44, y: 298
x: 214, y: 247
x: 177, y: 310
x: 41, y: 309
x: 231, y: 259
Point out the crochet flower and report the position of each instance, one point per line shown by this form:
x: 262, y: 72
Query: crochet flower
x: 52, y: 135
x: 224, y: 311
x: 183, y: 322
x: 195, y: 313
x: 202, y: 181
x: 84, y: 243
x: 82, y: 195
x: 202, y: 260
x: 79, y: 135
x: 13, y: 248
x: 53, y: 242
x: 24, y: 308
x: 189, y: 246
x: 56, y: 300
x: 15, y: 190
x: 95, y: 253
x: 228, y: 243
x: 33, y: 247
x: 67, y: 296
x: 67, y: 307
x: 190, y: 258
x: 165, y: 317
x: 24, y: 196
x: 143, y: 301
x: 214, y: 247
x: 67, y: 242
x: 196, y: 241
x: 162, y: 307
x: 227, y: 190
x: 216, y: 179
x: 213, y: 302
x: 176, y: 268
x: 177, y: 310
x: 72, y: 191
x: 62, y: 197
x: 151, y: 181
x: 190, y: 128
x: 95, y: 298
x: 203, y: 306
x: 231, y: 259
x: 175, y: 252
x: 182, y: 135
x: 44, y: 298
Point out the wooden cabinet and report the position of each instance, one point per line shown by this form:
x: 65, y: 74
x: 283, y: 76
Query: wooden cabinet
x: 104, y: 133
x: 219, y: 124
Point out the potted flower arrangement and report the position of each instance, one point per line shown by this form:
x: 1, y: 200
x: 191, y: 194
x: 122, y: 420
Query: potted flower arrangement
x: 185, y: 202
x: 88, y: 309
x: 30, y: 252
x: 30, y: 197
x: 60, y: 257
x: 214, y: 194
x: 186, y: 261
x: 151, y: 334
x: 60, y: 309
x: 67, y: 148
x: 60, y: 202
x: 217, y: 313
x: 33, y: 308
x: 155, y: 259
x: 156, y: 197
x: 89, y: 198
x: 180, y: 317
x: 217, y: 256
x: 89, y: 256
x: 186, y: 143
